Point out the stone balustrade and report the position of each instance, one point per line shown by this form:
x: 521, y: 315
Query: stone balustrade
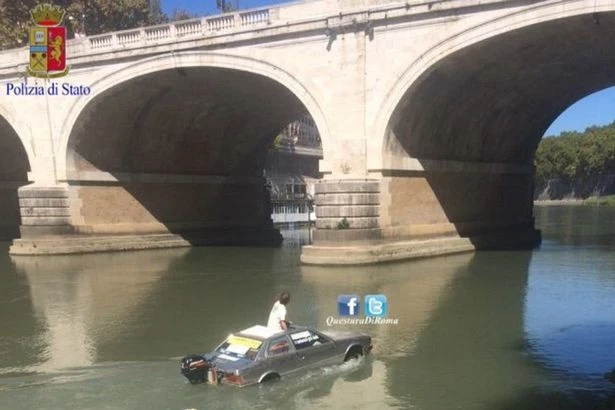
x: 169, y: 33
x: 212, y: 25
x: 161, y: 34
x: 307, y: 15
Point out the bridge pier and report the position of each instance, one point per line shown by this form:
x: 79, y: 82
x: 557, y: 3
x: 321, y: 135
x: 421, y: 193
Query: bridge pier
x: 9, y: 209
x: 143, y: 212
x: 44, y: 211
x: 420, y: 214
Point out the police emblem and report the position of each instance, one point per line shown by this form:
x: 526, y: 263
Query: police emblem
x: 47, y: 42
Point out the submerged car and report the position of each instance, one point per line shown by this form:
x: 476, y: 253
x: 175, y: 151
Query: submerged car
x: 258, y: 354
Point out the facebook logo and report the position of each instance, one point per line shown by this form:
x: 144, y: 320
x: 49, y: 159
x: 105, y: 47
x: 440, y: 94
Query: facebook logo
x: 376, y: 305
x: 348, y: 305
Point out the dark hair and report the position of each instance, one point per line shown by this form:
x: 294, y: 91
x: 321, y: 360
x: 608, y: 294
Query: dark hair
x: 284, y: 298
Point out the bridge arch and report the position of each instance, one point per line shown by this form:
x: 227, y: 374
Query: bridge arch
x: 192, y: 59
x: 14, y: 168
x: 426, y: 79
x: 177, y: 143
x: 8, y: 114
x: 459, y: 130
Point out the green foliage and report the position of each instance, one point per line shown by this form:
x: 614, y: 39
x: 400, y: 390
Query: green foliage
x: 574, y: 155
x: 101, y: 16
x: 15, y: 22
x: 156, y: 16
x: 608, y: 200
x: 181, y: 14
x: 225, y: 6
x: 343, y: 224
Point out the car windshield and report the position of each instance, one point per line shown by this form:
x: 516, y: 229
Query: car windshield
x: 240, y: 347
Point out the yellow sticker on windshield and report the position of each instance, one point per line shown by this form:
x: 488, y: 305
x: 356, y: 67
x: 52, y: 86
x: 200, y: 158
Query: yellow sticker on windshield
x: 244, y: 341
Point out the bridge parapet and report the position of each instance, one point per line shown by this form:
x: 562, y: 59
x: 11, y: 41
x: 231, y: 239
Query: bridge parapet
x: 170, y: 33
x: 175, y: 31
x: 331, y: 17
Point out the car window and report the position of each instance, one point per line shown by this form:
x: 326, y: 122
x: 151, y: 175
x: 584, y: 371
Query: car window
x: 278, y: 346
x: 306, y: 338
x: 239, y: 347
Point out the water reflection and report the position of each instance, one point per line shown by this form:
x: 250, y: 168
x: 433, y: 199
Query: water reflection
x: 414, y: 291
x: 569, y: 308
x: 88, y: 301
x: 562, y: 327
x: 295, y: 238
x: 577, y: 225
x: 473, y: 343
x: 569, y: 312
x: 20, y: 344
x: 492, y: 330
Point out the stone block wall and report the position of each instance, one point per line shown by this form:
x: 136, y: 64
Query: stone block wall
x: 44, y: 211
x: 464, y: 203
x: 141, y: 207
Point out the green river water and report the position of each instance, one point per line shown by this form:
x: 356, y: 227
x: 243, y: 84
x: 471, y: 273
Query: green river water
x: 492, y: 330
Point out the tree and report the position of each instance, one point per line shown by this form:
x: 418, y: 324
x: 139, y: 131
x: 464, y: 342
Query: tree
x: 103, y: 16
x: 181, y: 14
x: 573, y: 155
x: 14, y: 22
x: 95, y: 16
x: 156, y: 16
x: 225, y: 6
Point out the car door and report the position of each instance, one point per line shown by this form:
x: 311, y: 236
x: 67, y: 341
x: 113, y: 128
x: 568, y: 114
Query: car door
x: 280, y: 355
x: 313, y: 349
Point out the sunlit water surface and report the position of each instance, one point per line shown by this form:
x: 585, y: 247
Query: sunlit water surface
x: 493, y: 330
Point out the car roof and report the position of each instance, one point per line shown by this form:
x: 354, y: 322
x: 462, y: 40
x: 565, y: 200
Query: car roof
x: 263, y: 333
x: 258, y: 332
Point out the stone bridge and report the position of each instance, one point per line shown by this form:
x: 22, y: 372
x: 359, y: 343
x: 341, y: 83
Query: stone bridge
x: 429, y: 114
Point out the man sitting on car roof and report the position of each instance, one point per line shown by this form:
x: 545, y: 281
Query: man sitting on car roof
x: 277, y: 317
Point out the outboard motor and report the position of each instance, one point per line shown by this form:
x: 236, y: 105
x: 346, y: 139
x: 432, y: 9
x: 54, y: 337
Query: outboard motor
x: 194, y: 367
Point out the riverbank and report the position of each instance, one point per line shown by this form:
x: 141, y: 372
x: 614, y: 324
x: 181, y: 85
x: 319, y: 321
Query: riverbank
x: 608, y: 200
x: 551, y: 202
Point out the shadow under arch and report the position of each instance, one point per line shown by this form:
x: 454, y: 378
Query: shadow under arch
x: 518, y: 20
x: 469, y: 125
x: 179, y: 148
x: 108, y: 78
x: 14, y: 168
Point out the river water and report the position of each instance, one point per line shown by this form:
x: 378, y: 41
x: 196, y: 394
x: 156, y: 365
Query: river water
x: 492, y: 330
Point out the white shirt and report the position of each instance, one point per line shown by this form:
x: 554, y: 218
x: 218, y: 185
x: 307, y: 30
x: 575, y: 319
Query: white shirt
x: 278, y: 312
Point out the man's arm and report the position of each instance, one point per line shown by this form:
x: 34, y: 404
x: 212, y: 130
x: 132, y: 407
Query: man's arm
x: 283, y: 322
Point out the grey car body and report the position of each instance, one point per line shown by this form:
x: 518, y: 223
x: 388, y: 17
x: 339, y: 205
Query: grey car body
x: 256, y: 355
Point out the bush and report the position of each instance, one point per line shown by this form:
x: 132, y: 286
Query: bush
x: 343, y: 224
x: 608, y: 200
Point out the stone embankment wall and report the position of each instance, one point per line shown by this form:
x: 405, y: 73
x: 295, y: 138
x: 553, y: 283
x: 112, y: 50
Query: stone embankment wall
x: 579, y: 188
